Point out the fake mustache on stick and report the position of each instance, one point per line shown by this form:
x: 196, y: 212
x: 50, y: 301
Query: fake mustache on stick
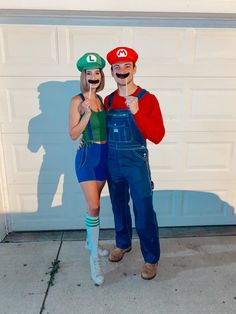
x: 122, y: 76
x: 93, y: 81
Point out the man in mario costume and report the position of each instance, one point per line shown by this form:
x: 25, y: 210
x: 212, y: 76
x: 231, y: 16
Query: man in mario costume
x: 133, y: 116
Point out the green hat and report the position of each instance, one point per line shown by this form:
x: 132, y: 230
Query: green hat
x: 90, y: 60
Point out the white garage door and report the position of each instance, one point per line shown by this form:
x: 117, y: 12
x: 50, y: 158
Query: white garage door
x: 193, y: 73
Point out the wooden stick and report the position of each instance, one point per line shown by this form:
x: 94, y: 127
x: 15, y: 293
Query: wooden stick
x: 90, y: 88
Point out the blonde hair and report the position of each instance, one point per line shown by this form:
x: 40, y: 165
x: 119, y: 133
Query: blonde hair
x: 84, y: 86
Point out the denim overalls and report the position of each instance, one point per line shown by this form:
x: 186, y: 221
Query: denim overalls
x: 129, y: 174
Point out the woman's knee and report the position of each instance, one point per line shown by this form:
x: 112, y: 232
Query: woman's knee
x: 94, y: 212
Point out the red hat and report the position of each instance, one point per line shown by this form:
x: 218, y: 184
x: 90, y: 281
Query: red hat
x: 122, y: 54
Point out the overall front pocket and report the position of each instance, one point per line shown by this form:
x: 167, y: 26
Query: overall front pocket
x: 119, y: 132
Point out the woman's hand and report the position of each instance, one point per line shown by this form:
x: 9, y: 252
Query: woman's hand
x: 86, y: 107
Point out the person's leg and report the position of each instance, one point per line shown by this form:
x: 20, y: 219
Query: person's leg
x: 119, y: 195
x: 147, y: 229
x: 145, y: 216
x: 92, y: 196
x: 92, y: 174
x: 101, y: 250
x: 92, y: 219
x: 145, y: 220
x: 100, y: 172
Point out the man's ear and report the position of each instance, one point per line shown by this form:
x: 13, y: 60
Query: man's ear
x: 112, y: 74
x: 135, y: 69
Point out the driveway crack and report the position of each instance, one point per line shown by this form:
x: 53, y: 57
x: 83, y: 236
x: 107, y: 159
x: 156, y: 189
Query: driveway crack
x: 53, y: 270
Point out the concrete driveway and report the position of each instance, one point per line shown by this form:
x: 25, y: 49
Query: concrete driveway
x: 196, y: 275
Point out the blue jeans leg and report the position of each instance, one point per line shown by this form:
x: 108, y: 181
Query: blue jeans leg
x: 119, y: 194
x: 147, y: 229
x: 145, y: 216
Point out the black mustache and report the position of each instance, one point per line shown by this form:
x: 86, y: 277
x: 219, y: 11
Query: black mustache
x: 93, y: 81
x: 122, y: 76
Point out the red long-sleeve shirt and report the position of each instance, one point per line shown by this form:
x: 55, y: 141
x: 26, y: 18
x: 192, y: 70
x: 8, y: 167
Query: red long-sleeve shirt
x: 148, y: 118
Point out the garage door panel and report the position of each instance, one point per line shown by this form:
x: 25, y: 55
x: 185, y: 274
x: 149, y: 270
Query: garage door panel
x: 2, y: 55
x: 29, y: 198
x: 215, y: 46
x: 29, y: 104
x: 44, y: 158
x: 19, y: 162
x: 196, y: 156
x: 171, y: 101
x: 205, y: 108
x: 199, y: 207
x: 81, y: 40
x: 209, y: 156
x: 158, y: 156
x: 25, y: 46
x: 165, y: 203
x: 213, y: 104
x: 18, y: 108
x: 169, y: 48
x: 64, y: 208
x: 3, y: 108
x: 199, y: 199
x: 207, y: 203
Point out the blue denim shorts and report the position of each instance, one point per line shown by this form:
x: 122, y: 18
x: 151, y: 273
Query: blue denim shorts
x: 91, y: 162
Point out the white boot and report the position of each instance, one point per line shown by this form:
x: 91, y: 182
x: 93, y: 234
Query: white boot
x: 96, y: 272
x: 101, y: 250
x: 92, y: 227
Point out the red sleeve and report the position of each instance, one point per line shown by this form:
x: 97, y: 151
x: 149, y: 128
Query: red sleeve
x: 149, y: 119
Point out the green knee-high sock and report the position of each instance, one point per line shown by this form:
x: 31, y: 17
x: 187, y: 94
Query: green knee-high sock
x: 92, y: 228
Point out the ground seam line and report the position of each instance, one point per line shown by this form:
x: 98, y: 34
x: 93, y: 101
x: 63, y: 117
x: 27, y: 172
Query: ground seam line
x: 54, y: 269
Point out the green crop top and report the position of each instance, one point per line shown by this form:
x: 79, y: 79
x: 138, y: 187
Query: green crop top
x: 96, y: 130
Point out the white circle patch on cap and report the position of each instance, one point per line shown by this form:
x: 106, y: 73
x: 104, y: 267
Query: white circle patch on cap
x: 91, y: 58
x: 121, y: 53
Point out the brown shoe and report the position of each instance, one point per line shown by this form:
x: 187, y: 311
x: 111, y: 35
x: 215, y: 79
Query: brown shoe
x: 149, y: 271
x: 117, y: 254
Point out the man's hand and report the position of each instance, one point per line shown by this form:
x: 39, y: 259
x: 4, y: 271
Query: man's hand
x: 132, y: 104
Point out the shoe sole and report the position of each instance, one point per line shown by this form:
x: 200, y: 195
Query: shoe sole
x: 117, y: 260
x: 98, y: 284
x: 150, y: 278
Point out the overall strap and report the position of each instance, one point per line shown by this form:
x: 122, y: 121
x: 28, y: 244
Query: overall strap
x: 82, y: 96
x: 100, y: 98
x: 141, y: 93
x: 89, y: 124
x: 110, y: 98
x: 101, y: 101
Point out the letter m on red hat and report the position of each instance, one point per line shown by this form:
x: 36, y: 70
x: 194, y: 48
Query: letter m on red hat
x: 121, y: 53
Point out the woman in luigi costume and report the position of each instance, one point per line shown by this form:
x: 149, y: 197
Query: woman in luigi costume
x: 87, y: 117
